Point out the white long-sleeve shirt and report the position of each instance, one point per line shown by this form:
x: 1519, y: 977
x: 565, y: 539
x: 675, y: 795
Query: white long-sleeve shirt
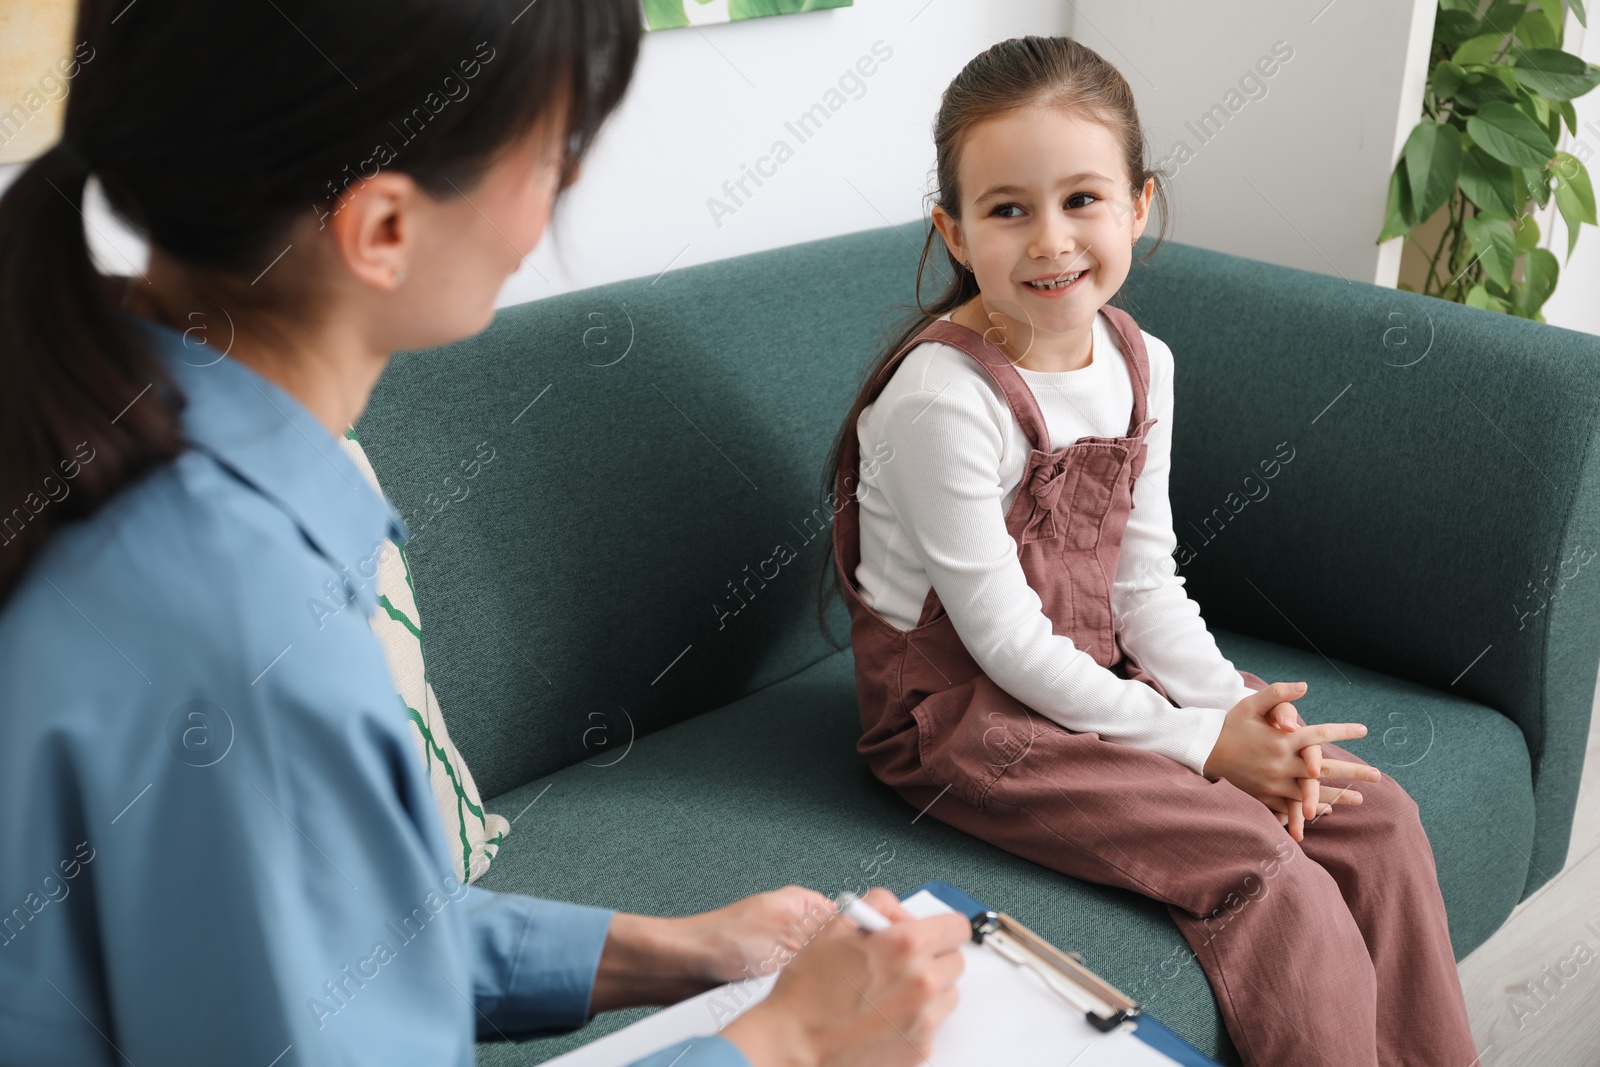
x: 933, y: 515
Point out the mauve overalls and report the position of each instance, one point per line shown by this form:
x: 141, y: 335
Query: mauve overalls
x: 1332, y: 951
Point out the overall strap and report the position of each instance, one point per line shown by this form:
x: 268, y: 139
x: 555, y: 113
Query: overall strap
x: 1018, y: 396
x: 1138, y: 361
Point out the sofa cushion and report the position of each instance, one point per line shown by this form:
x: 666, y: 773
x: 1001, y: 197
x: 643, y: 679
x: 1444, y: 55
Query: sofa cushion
x: 769, y: 791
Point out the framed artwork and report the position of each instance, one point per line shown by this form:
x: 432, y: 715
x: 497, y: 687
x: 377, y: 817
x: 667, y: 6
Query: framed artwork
x: 671, y: 14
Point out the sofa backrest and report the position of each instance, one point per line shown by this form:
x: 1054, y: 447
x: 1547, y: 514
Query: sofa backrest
x: 1440, y: 518
x: 620, y: 565
x: 644, y: 544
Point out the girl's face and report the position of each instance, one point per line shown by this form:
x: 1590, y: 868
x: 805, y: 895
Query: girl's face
x: 1047, y: 222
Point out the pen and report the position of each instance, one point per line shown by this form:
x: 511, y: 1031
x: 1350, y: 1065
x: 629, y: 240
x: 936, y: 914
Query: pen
x: 861, y: 913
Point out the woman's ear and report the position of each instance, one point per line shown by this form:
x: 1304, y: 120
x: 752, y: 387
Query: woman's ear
x: 373, y: 231
x: 950, y: 230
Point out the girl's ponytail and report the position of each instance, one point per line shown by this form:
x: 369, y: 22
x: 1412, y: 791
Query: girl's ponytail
x: 84, y: 406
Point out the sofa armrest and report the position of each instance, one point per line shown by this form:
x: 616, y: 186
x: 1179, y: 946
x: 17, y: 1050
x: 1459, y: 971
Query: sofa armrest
x: 1438, y: 515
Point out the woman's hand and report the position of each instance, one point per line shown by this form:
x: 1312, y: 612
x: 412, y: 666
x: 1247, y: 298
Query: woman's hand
x: 1260, y: 753
x: 851, y: 998
x: 755, y: 936
x: 652, y: 960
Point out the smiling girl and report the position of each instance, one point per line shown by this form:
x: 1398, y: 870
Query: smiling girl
x: 1023, y: 643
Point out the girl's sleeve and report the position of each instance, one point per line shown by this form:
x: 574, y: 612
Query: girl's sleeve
x: 944, y: 488
x: 1160, y: 627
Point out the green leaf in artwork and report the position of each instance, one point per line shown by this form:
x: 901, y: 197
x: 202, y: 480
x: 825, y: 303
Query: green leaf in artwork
x: 1508, y: 135
x: 1490, y: 184
x: 665, y: 14
x: 1539, y: 280
x: 750, y: 9
x: 1553, y: 73
x: 1433, y: 161
x: 1494, y: 244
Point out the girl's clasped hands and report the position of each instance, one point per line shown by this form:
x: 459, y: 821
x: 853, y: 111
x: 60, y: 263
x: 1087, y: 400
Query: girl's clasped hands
x: 1269, y: 752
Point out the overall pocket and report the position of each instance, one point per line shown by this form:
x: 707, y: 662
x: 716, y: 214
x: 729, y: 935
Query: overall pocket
x: 969, y: 734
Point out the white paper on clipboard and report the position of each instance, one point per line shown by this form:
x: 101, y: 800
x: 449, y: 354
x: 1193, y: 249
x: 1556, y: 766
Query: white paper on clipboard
x: 1006, y: 1015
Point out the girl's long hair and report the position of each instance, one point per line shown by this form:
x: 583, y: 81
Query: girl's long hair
x: 1020, y: 72
x: 213, y: 128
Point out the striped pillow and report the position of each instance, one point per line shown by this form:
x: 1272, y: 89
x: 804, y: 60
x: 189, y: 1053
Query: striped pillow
x: 475, y: 836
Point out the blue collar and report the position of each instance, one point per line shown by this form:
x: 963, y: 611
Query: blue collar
x: 271, y: 442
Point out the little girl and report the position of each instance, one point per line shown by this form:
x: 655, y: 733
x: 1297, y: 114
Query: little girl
x: 1023, y: 643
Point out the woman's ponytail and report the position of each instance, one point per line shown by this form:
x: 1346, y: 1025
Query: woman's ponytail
x: 84, y: 407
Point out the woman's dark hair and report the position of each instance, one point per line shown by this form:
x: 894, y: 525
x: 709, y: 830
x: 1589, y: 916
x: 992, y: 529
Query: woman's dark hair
x: 215, y: 129
x: 1020, y: 72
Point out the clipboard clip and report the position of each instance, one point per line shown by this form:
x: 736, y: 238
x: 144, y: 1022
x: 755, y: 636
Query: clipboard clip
x: 1103, y: 1005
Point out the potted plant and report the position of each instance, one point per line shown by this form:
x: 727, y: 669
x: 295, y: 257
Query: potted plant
x: 1499, y: 89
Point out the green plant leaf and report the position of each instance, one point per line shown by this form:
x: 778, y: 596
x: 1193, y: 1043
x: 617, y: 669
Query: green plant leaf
x: 1539, y: 281
x: 1446, y: 78
x: 1527, y: 230
x: 1399, y: 218
x: 1570, y: 115
x: 1479, y: 89
x: 1503, y: 16
x: 1478, y: 297
x: 1577, y: 9
x: 1574, y: 195
x: 1433, y: 161
x: 1538, y: 185
x: 1535, y: 31
x: 1509, y: 136
x: 1490, y: 184
x: 1453, y: 27
x: 1480, y: 49
x: 1494, y: 244
x: 1572, y: 185
x: 1553, y: 73
x: 1537, y: 108
x: 1553, y: 14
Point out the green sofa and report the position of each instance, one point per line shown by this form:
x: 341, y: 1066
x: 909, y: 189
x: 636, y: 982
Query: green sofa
x: 632, y: 665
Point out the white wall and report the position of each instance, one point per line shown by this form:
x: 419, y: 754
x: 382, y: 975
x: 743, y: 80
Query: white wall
x: 1298, y: 174
x: 708, y: 102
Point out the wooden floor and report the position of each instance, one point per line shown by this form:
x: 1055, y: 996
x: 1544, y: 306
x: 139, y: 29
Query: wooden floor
x: 1552, y: 940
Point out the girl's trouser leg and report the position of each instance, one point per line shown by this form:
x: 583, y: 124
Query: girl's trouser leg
x: 1380, y: 857
x: 1289, y: 965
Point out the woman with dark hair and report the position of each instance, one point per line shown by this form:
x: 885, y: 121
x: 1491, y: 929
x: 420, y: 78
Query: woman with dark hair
x: 320, y: 184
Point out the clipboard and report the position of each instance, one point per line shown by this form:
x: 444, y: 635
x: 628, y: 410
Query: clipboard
x: 1010, y: 1012
x: 1102, y: 1006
